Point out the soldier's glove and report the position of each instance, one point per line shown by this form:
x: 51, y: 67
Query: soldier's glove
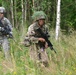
x: 2, y: 29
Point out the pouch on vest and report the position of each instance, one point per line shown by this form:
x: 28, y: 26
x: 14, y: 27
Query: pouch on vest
x: 27, y: 42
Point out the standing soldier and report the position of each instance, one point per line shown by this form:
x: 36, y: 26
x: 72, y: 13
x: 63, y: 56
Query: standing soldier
x: 5, y: 33
x: 38, y: 44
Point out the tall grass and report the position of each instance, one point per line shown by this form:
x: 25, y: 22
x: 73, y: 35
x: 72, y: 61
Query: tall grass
x: 62, y: 63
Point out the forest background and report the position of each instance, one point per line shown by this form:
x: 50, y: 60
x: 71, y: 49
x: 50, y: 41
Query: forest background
x: 19, y: 12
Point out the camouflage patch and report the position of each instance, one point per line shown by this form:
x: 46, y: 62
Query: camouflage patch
x: 27, y: 42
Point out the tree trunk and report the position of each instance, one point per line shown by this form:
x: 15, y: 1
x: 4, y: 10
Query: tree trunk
x: 12, y: 12
x: 15, y: 14
x: 25, y: 10
x: 33, y: 5
x: 22, y: 12
x: 58, y: 20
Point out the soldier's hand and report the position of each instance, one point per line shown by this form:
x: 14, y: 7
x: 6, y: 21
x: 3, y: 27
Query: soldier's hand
x: 46, y: 45
x: 41, y: 39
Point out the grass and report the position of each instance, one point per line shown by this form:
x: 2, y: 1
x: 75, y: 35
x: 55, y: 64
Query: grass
x: 62, y: 63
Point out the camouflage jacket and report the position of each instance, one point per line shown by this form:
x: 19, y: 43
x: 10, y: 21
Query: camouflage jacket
x: 7, y: 23
x: 33, y: 36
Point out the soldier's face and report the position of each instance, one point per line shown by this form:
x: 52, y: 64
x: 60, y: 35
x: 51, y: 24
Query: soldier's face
x: 1, y: 15
x: 41, y: 22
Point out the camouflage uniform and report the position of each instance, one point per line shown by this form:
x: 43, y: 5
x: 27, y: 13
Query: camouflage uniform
x: 37, y: 52
x: 3, y: 38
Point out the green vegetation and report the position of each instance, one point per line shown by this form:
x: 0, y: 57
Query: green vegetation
x: 68, y: 12
x: 62, y: 63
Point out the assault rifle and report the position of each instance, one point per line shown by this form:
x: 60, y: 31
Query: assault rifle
x: 6, y: 30
x: 43, y: 35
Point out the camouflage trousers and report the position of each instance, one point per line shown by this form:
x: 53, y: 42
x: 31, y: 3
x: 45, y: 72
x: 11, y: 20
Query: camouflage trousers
x: 5, y: 45
x: 38, y: 54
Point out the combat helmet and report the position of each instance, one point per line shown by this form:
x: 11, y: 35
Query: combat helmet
x: 38, y: 15
x: 2, y: 10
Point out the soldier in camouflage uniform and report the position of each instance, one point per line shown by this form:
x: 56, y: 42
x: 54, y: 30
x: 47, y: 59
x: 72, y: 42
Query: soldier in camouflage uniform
x: 4, y: 38
x: 38, y: 44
